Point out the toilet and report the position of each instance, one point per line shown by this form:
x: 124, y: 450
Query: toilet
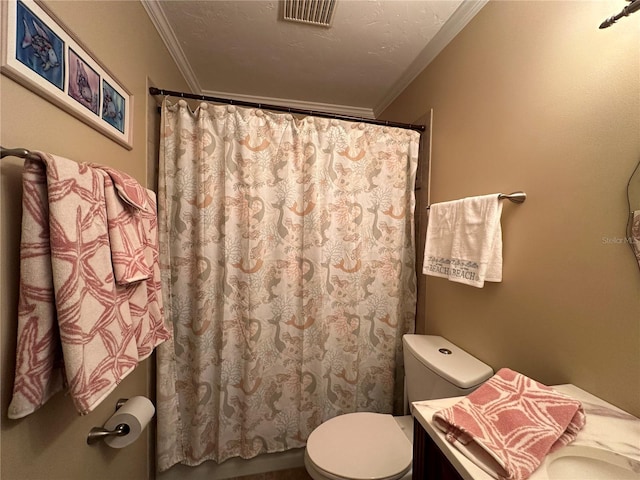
x: 376, y: 446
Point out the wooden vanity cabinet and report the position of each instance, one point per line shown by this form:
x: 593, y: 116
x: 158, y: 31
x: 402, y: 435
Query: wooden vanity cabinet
x: 429, y: 463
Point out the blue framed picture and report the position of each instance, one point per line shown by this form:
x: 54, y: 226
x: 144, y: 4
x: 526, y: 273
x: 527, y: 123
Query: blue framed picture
x: 84, y: 82
x: 113, y: 106
x: 41, y: 54
x: 38, y: 47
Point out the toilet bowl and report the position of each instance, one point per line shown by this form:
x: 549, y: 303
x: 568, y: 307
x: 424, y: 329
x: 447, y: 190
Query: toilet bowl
x: 375, y: 446
x: 361, y: 445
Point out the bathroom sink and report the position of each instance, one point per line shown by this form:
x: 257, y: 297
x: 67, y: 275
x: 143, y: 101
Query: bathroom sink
x: 588, y: 463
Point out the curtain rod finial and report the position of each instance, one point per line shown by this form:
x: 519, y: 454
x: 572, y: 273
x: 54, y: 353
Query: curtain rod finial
x: 607, y: 23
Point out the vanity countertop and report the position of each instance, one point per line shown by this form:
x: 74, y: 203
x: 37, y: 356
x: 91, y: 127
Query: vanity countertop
x: 607, y: 427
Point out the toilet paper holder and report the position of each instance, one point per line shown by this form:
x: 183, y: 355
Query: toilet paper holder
x: 98, y: 433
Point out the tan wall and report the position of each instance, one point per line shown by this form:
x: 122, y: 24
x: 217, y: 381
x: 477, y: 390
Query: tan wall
x: 532, y: 96
x: 51, y: 443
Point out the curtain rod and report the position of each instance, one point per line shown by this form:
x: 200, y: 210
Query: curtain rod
x: 634, y: 6
x: 278, y: 108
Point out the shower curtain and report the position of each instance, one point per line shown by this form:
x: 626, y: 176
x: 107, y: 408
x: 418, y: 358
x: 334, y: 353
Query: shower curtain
x: 287, y: 256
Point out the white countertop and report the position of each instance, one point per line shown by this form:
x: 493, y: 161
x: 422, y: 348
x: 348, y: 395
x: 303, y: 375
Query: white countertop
x: 607, y: 427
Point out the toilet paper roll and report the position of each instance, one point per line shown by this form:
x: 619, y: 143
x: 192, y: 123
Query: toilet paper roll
x: 136, y: 413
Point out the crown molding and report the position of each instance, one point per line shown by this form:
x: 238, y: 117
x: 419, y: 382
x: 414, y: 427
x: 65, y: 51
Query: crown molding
x: 467, y: 10
x: 159, y: 20
x: 463, y: 15
x: 313, y: 107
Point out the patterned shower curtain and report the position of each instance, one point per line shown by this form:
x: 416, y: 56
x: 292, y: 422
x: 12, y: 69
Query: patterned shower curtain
x: 287, y: 252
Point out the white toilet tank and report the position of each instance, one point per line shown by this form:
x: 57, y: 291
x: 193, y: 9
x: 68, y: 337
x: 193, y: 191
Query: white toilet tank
x: 436, y: 368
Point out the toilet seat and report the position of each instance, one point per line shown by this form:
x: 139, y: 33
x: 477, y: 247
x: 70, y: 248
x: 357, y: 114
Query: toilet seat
x: 359, y: 446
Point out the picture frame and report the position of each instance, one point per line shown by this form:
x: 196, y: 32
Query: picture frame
x: 43, y: 55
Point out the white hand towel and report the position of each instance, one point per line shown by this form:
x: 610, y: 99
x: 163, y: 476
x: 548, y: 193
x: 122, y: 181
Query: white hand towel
x: 464, y: 241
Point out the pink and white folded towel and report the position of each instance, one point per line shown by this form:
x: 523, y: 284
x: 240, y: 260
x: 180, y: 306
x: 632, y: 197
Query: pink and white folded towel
x: 90, y: 307
x: 133, y: 237
x: 509, y: 424
x: 126, y: 201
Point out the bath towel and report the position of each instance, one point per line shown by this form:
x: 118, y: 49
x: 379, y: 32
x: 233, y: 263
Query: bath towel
x: 133, y: 235
x: 510, y: 423
x: 77, y: 327
x: 126, y: 201
x: 464, y: 240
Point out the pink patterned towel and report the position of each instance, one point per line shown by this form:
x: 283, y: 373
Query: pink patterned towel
x: 133, y: 234
x: 509, y: 424
x: 77, y: 326
x: 127, y: 202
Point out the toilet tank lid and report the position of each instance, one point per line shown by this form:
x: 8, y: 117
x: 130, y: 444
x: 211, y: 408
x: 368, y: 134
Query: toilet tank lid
x: 459, y: 368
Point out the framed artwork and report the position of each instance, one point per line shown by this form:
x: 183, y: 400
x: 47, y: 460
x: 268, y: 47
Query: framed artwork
x: 41, y: 54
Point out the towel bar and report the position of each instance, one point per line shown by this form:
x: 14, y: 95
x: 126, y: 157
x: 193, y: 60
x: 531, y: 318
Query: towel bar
x: 515, y: 197
x: 17, y: 152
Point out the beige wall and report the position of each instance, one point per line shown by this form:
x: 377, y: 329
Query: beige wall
x: 532, y: 96
x: 51, y: 443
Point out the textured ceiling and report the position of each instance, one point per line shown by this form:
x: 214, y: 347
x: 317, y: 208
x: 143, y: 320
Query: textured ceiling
x: 243, y: 49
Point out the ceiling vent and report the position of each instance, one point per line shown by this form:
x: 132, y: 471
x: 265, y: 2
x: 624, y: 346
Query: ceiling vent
x: 315, y: 12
